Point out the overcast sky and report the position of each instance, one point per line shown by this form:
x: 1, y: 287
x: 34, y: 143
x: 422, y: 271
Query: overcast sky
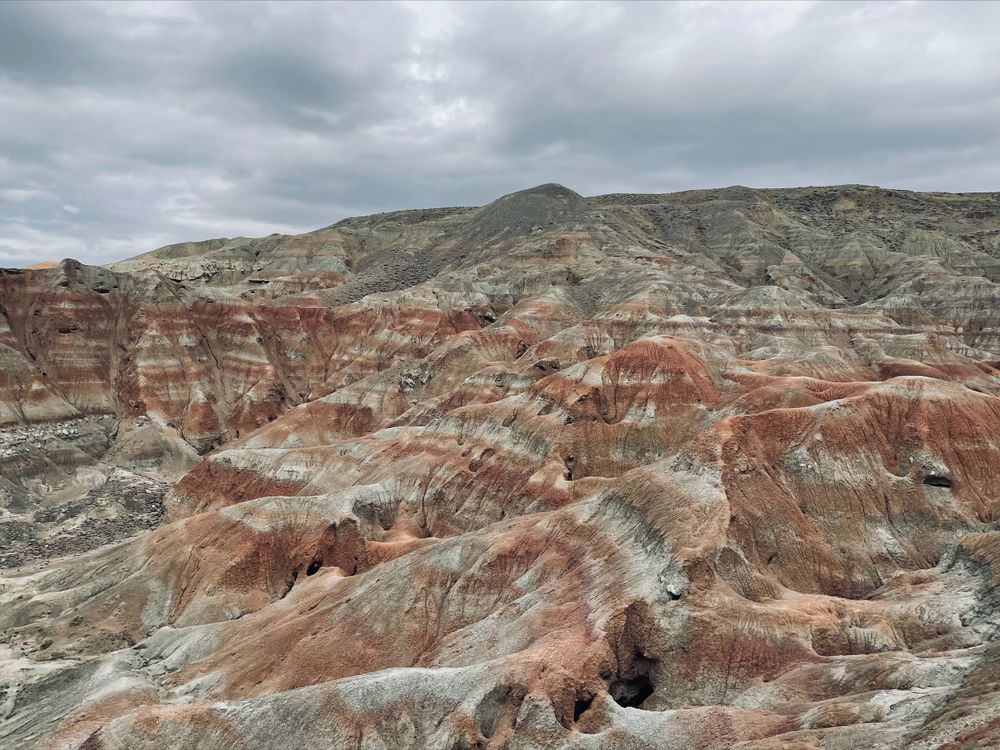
x: 127, y: 126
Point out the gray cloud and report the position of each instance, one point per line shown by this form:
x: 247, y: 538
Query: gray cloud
x: 128, y: 126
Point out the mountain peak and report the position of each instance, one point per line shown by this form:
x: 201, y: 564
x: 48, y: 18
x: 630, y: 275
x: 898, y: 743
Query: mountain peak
x: 525, y: 211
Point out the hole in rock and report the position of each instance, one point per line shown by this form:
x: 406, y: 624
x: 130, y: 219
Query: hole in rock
x: 314, y: 566
x: 632, y: 692
x: 937, y: 481
x: 581, y: 706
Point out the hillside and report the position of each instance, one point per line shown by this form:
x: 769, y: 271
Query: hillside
x: 708, y: 469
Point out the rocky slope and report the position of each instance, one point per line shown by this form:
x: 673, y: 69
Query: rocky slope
x: 703, y: 470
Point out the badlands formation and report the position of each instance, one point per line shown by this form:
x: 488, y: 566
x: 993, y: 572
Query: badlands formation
x: 715, y: 469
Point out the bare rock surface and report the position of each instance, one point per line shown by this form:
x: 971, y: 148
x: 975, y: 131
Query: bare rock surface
x: 715, y: 469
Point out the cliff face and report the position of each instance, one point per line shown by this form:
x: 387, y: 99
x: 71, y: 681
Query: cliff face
x: 701, y: 470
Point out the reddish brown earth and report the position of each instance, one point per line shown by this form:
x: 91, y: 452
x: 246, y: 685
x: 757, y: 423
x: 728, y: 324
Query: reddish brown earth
x: 717, y: 469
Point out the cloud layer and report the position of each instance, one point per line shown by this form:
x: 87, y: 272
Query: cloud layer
x: 127, y: 126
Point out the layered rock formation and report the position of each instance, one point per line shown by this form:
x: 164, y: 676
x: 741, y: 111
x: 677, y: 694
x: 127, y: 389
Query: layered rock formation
x: 704, y: 470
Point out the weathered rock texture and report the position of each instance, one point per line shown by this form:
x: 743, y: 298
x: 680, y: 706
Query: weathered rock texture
x: 705, y: 470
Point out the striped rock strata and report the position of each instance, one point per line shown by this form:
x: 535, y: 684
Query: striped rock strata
x: 707, y: 470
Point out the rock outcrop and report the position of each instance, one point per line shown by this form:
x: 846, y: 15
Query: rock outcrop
x: 717, y: 469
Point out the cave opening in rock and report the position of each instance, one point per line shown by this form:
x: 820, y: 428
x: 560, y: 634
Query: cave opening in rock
x: 314, y: 565
x: 933, y: 480
x: 632, y: 692
x: 581, y: 706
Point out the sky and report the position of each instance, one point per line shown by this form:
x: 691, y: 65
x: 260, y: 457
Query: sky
x: 128, y: 126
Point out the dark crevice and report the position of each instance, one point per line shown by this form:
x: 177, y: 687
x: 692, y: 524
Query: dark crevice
x: 293, y: 576
x: 581, y: 706
x: 934, y: 480
x: 632, y: 692
x: 634, y: 679
x: 314, y: 565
